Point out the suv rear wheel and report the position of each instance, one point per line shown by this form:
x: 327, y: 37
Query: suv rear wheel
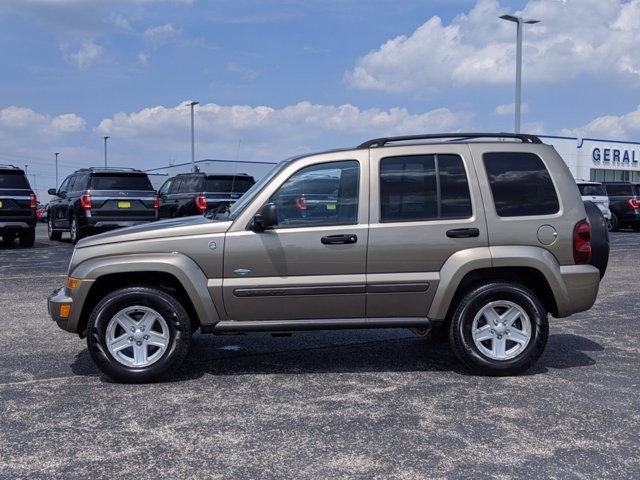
x: 27, y: 237
x: 74, y: 229
x: 139, y: 334
x: 499, y: 329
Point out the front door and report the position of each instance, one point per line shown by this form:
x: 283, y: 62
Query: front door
x: 312, y: 263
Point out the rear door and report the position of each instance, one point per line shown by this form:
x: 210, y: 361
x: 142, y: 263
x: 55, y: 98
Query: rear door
x: 312, y: 264
x: 424, y: 209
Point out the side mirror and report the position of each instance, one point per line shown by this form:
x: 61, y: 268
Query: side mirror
x: 266, y: 217
x: 52, y: 191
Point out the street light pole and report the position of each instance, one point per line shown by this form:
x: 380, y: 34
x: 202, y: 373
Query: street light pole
x: 105, y: 150
x: 519, y: 21
x: 193, y: 148
x: 56, y: 154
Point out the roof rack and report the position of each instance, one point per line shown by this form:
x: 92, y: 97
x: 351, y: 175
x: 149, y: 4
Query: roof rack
x: 8, y: 165
x: 453, y: 137
x: 108, y: 169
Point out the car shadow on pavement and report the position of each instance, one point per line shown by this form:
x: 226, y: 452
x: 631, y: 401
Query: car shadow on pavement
x: 265, y: 355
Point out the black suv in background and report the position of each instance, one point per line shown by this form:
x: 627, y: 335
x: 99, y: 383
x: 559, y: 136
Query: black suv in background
x: 18, y: 205
x: 91, y: 200
x: 624, y: 205
x: 198, y: 192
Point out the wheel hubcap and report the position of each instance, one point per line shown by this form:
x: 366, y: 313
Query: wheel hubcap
x: 501, y: 330
x: 137, y: 336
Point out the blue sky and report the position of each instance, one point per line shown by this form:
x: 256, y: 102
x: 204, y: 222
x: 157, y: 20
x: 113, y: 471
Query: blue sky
x: 281, y: 77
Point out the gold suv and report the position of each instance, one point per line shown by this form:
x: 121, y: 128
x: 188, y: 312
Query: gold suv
x: 477, y: 236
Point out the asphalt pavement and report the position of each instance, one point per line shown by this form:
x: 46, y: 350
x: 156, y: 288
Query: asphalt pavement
x: 356, y: 404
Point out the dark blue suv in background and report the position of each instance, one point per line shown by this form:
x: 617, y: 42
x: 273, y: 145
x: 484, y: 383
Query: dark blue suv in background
x: 18, y: 205
x: 624, y: 204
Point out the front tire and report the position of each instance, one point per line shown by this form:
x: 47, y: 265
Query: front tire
x: 499, y: 329
x: 139, y: 335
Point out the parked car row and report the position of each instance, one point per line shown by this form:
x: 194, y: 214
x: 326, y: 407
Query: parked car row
x: 618, y: 201
x: 93, y: 200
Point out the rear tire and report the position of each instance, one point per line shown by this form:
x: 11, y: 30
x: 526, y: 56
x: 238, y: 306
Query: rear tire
x: 499, y: 329
x: 614, y: 223
x: 27, y: 237
x: 76, y: 232
x: 139, y: 335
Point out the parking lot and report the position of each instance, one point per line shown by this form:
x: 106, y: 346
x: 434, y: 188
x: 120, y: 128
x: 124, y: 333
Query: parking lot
x: 356, y: 404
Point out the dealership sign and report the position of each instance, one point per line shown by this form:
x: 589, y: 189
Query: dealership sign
x: 615, y: 156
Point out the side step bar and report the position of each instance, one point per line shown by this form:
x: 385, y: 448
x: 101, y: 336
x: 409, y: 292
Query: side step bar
x: 231, y: 326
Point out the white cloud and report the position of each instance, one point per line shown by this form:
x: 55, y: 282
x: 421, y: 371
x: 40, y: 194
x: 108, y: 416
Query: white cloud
x: 88, y: 54
x: 510, y: 109
x: 610, y: 126
x: 66, y: 124
x: 269, y: 133
x: 31, y: 124
x: 160, y: 34
x: 592, y: 37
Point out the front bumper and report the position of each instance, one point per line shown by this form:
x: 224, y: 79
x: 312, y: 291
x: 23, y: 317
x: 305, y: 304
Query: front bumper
x: 59, y: 305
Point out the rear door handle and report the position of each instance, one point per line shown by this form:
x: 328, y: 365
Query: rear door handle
x: 339, y: 239
x: 463, y: 233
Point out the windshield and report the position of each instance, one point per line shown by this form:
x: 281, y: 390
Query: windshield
x: 257, y: 187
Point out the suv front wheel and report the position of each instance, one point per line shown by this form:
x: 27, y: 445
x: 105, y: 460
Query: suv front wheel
x: 499, y: 329
x: 139, y: 334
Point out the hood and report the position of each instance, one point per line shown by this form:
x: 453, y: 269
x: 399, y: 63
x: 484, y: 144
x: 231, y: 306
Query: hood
x: 175, y: 227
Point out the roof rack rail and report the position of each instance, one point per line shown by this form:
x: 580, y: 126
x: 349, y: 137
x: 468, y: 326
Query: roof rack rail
x: 455, y: 137
x: 8, y: 165
x: 108, y: 169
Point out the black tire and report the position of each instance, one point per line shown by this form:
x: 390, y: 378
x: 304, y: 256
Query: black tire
x: 53, y: 234
x: 27, y: 237
x: 614, y: 224
x: 7, y: 239
x: 139, y: 335
x: 76, y: 232
x: 521, y: 327
x: 599, y: 237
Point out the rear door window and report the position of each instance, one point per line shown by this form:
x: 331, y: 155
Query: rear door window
x: 521, y: 184
x: 423, y: 187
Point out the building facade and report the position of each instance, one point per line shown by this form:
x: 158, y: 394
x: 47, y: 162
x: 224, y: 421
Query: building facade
x: 598, y: 159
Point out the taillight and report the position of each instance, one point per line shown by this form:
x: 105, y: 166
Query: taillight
x: 582, y: 242
x: 85, y: 201
x: 633, y: 203
x: 33, y: 201
x: 201, y: 203
x: 156, y: 202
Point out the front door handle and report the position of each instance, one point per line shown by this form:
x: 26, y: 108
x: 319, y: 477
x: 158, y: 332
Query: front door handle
x: 463, y: 233
x: 339, y: 239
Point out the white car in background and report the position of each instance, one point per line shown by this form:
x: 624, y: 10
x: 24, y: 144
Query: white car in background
x: 596, y: 193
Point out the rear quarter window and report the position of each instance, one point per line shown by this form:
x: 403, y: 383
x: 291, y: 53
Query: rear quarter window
x: 521, y: 184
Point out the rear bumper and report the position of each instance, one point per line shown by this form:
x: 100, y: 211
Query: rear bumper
x: 582, y: 283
